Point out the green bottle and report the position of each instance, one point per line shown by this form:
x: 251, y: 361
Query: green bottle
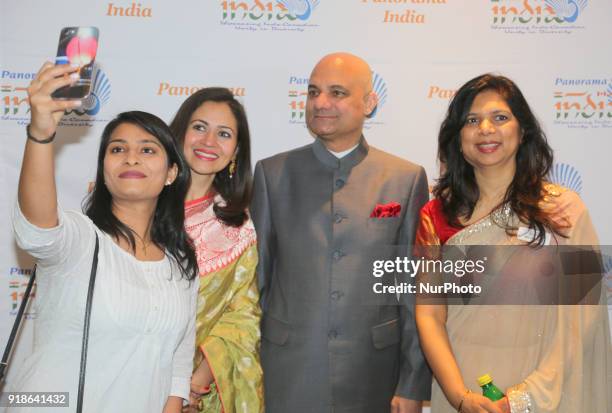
x: 490, y: 390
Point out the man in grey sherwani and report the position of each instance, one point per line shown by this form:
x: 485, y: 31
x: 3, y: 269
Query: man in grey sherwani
x: 322, y: 213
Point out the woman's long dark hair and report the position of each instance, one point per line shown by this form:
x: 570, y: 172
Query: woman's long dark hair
x: 236, y: 192
x: 457, y: 188
x: 167, y: 227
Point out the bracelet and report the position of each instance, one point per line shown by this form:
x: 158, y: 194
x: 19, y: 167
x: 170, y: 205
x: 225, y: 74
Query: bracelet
x: 32, y: 138
x: 519, y: 401
x: 468, y: 391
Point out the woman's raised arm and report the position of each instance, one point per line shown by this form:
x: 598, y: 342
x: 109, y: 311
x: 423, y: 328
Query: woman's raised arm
x: 37, y: 193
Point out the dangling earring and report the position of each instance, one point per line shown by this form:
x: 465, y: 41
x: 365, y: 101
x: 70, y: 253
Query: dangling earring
x: 232, y: 168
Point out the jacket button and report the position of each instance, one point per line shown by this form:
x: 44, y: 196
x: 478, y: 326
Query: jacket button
x: 335, y: 295
x: 337, y: 255
x: 339, y: 183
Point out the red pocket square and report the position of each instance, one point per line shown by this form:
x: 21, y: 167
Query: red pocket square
x: 390, y: 210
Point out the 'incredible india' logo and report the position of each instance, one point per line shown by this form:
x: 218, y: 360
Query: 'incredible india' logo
x: 537, y: 16
x: 277, y: 15
x: 583, y: 103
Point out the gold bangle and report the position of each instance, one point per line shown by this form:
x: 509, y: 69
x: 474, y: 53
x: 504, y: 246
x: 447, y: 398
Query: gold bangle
x: 468, y: 391
x: 43, y: 141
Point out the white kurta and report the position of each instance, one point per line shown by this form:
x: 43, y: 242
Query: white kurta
x: 142, y: 333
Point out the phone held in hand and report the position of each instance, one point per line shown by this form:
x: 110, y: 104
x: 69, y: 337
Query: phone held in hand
x: 77, y: 46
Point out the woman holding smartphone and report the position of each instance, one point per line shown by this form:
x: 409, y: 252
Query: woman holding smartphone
x: 141, y: 340
x: 212, y: 129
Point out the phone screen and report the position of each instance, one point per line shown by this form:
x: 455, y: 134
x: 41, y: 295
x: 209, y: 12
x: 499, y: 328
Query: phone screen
x: 77, y: 46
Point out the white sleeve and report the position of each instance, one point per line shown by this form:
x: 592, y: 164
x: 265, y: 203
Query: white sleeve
x: 182, y: 365
x: 53, y: 247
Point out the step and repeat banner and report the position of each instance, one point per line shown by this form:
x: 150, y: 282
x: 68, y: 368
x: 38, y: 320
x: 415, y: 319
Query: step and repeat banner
x: 153, y: 54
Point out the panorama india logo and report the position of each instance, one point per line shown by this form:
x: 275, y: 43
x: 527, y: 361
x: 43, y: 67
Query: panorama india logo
x: 583, y: 103
x: 18, y: 279
x: 380, y: 88
x: 569, y: 177
x: 15, y: 106
x: 566, y: 175
x: 298, y: 93
x: 537, y: 16
x: 275, y: 15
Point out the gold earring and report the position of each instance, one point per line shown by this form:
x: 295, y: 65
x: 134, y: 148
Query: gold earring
x: 232, y: 168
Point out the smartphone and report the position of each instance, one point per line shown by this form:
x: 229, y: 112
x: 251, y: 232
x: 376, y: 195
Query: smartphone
x: 77, y: 46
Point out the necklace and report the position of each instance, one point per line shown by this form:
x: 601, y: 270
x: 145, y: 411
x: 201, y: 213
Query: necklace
x: 144, y: 243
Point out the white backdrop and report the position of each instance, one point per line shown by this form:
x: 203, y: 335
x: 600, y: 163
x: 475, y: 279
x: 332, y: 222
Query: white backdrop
x: 154, y: 53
